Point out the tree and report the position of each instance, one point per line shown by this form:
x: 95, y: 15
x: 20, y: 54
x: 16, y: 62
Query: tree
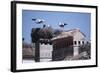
x: 44, y: 33
x: 85, y: 51
x: 35, y: 35
x: 57, y: 32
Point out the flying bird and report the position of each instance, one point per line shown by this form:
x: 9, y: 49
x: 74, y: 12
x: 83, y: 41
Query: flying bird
x: 62, y: 25
x: 38, y: 21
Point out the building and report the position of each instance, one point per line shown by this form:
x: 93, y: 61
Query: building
x: 67, y: 44
x: 59, y: 47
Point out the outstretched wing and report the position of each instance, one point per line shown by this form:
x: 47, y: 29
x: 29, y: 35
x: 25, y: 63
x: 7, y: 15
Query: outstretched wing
x: 34, y: 19
x: 38, y: 21
x: 62, y: 24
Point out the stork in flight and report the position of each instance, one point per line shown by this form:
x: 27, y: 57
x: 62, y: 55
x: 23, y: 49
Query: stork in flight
x: 62, y: 25
x: 38, y: 21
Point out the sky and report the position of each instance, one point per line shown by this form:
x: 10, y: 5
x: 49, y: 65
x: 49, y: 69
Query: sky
x: 52, y: 18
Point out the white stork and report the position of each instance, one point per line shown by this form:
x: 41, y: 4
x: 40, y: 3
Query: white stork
x: 62, y: 25
x: 38, y: 21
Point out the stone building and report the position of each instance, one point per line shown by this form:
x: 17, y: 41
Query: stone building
x: 67, y: 44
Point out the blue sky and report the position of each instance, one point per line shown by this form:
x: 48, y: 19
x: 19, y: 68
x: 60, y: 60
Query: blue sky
x: 73, y: 19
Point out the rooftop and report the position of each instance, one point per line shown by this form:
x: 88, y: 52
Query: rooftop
x: 68, y: 33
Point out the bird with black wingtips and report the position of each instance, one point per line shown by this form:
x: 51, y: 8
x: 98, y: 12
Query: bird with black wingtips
x: 62, y: 25
x: 38, y: 21
x: 33, y: 19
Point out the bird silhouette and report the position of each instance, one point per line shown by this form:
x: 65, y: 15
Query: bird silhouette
x: 62, y: 24
x: 38, y: 21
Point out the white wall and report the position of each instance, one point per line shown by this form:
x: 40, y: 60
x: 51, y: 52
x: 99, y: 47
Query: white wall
x: 46, y: 51
x: 5, y: 37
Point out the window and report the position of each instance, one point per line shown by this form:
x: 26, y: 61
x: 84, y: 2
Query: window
x: 79, y: 42
x: 75, y: 42
x: 82, y: 42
